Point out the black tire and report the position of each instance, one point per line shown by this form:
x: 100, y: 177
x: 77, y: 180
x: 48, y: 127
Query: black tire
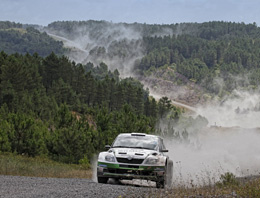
x: 102, y: 180
x: 167, y: 179
x: 160, y: 183
x: 116, y: 181
x: 169, y: 173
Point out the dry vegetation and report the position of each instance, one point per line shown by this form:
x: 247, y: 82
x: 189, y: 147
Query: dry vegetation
x: 11, y: 164
x: 228, y: 186
x: 21, y: 30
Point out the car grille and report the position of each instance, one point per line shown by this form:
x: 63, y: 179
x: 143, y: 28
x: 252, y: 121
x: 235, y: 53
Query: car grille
x: 127, y: 171
x: 128, y: 166
x: 127, y: 161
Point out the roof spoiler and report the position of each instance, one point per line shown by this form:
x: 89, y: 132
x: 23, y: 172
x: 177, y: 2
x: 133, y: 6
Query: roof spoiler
x: 138, y: 134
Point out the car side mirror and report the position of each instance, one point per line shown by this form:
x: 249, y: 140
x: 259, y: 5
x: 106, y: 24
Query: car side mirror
x: 107, y: 147
x: 164, y: 151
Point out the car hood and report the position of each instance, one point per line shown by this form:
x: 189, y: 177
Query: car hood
x: 133, y: 152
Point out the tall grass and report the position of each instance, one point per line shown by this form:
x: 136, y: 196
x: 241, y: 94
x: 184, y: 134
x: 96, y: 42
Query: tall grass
x: 11, y: 164
x: 229, y: 186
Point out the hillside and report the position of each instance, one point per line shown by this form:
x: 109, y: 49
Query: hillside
x: 205, y: 59
x: 22, y: 39
x: 189, y: 62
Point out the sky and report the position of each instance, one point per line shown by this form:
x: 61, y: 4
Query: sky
x: 43, y: 12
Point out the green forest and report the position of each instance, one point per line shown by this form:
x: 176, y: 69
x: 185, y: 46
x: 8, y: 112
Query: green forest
x: 68, y: 112
x: 19, y: 38
x: 210, y: 50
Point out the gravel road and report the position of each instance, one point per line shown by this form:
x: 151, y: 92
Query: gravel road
x: 17, y: 186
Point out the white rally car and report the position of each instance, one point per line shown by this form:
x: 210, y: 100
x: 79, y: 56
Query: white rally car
x: 136, y: 156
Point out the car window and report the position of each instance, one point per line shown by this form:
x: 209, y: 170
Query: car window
x: 145, y: 142
x: 161, y: 146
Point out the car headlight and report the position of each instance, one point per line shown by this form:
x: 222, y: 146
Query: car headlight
x: 151, y: 160
x: 110, y: 158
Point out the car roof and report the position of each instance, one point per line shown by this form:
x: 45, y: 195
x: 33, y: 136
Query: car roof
x: 138, y: 134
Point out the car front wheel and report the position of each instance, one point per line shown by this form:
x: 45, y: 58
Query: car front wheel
x: 166, y: 180
x: 169, y: 173
x: 160, y: 183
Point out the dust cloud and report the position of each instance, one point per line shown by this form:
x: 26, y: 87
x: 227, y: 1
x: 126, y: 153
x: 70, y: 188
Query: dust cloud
x: 117, y: 45
x: 229, y: 143
x: 241, y: 109
x: 94, y: 168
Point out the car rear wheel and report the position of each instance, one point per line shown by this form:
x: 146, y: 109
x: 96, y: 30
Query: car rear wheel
x: 102, y: 180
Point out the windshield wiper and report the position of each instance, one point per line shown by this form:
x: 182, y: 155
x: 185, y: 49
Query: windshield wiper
x: 140, y: 147
x: 121, y: 147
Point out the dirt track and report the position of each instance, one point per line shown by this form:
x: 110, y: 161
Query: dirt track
x: 16, y: 186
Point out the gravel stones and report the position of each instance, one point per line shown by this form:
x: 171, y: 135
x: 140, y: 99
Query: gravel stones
x: 18, y: 186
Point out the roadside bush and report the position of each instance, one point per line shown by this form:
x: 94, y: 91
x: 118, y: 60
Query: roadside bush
x: 227, y: 179
x: 23, y: 134
x: 5, y: 129
x: 84, y: 163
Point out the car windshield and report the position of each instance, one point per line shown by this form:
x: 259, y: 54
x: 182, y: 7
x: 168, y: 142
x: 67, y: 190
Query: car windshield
x: 145, y: 142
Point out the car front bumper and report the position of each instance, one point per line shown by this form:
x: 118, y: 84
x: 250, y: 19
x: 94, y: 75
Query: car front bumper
x: 130, y: 171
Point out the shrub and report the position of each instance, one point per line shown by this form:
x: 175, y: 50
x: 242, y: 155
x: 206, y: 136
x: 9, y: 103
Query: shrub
x: 227, y: 179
